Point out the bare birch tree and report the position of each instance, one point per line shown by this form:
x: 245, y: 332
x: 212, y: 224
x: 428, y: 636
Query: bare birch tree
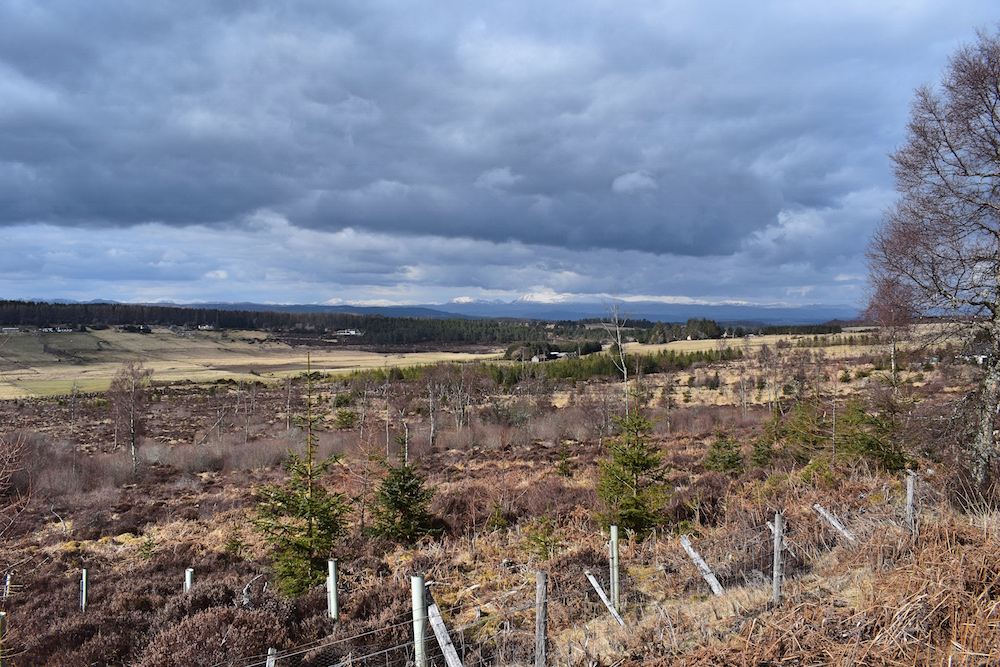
x: 614, y: 326
x: 129, y: 396
x: 941, y: 237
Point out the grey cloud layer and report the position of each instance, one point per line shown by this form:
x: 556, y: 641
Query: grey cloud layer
x: 748, y: 132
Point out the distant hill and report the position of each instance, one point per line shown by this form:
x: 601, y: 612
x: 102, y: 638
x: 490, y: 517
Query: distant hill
x: 534, y: 310
x: 655, y: 311
x: 528, y: 309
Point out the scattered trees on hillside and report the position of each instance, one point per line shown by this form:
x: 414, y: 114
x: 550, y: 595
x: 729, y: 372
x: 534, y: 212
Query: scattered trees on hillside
x: 941, y: 238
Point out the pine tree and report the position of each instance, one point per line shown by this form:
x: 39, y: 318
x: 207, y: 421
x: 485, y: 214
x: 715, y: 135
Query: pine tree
x: 301, y: 519
x: 724, y: 454
x: 401, y: 505
x: 630, y: 483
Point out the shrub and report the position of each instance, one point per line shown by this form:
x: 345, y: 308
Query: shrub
x: 346, y: 419
x: 724, y: 455
x: 401, y: 503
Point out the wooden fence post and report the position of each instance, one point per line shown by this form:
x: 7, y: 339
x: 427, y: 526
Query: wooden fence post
x: 779, y: 529
x: 332, y: 603
x: 699, y: 562
x: 910, y: 484
x: 441, y: 631
x: 188, y: 579
x: 6, y: 586
x: 833, y: 522
x: 604, y: 598
x: 541, y: 616
x: 615, y: 589
x: 419, y: 620
x: 3, y: 636
x: 272, y: 657
x: 83, y: 590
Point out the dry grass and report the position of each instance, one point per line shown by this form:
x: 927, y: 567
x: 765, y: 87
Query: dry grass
x: 888, y: 601
x: 51, y: 364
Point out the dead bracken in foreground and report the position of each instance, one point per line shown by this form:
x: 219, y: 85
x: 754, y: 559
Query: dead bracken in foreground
x: 515, y: 467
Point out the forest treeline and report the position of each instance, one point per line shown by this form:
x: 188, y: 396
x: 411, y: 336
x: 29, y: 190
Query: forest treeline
x: 376, y: 329
x: 380, y: 330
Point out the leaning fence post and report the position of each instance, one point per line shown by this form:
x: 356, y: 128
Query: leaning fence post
x: 332, y: 603
x: 832, y: 520
x: 699, y: 562
x: 910, y: 484
x: 541, y: 616
x: 441, y: 631
x: 272, y: 657
x: 83, y: 590
x: 604, y: 598
x: 615, y: 586
x: 188, y: 579
x: 419, y: 620
x: 779, y: 528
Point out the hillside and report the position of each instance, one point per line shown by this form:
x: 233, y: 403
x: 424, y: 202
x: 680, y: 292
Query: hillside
x: 515, y: 461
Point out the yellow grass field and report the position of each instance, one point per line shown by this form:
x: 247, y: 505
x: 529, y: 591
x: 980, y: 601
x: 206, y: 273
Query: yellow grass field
x: 35, y: 363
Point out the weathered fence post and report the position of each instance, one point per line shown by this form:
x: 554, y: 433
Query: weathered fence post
x: 332, y: 603
x: 832, y: 520
x: 272, y: 657
x: 83, y: 590
x: 188, y: 579
x: 910, y: 484
x: 6, y: 586
x: 541, y: 616
x: 615, y: 588
x: 419, y: 620
x: 441, y: 631
x: 699, y: 562
x: 604, y: 598
x: 779, y: 529
x: 3, y: 636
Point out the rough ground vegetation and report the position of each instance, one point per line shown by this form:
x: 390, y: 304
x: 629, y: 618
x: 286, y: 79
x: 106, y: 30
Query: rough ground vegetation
x: 515, y: 465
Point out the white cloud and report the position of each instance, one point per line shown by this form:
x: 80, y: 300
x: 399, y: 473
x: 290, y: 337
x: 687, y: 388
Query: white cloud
x: 634, y: 181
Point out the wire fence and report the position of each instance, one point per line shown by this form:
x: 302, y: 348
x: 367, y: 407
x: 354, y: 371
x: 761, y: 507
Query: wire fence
x: 655, y: 575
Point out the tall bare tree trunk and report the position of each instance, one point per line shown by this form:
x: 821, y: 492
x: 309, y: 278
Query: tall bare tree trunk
x: 985, y: 441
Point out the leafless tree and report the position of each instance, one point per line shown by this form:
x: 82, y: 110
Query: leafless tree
x: 614, y: 326
x: 941, y: 237
x: 890, y: 307
x: 129, y: 396
x: 13, y: 496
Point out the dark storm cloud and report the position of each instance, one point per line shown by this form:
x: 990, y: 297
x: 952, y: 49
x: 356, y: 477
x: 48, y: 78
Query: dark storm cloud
x: 360, y: 118
x: 743, y: 135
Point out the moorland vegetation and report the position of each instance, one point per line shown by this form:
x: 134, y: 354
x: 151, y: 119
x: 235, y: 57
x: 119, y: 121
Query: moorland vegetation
x: 478, y: 474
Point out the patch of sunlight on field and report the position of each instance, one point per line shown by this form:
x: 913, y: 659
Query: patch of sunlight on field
x: 40, y: 364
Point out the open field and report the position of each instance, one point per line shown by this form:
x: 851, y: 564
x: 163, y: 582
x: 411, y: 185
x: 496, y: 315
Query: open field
x: 49, y: 364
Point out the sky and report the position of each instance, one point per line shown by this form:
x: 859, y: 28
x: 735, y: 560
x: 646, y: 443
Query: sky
x: 402, y: 152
